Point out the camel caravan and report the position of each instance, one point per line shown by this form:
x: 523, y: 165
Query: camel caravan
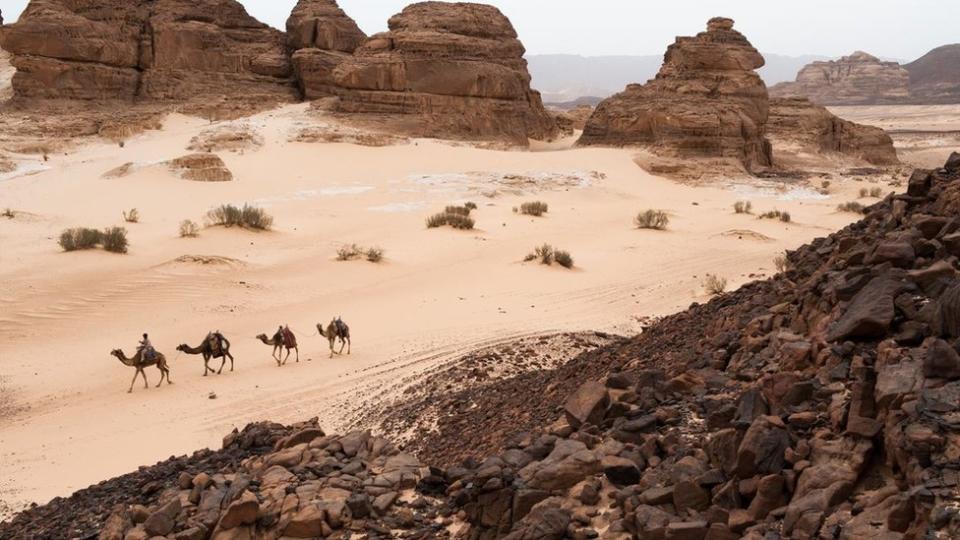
x: 215, y: 346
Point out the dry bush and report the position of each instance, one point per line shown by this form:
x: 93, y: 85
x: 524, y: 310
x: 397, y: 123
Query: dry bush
x: 864, y: 193
x: 348, y: 252
x: 189, y: 229
x: 777, y: 214
x: 458, y: 210
x: 470, y: 206
x: 114, y: 240
x: 781, y: 263
x: 652, y: 219
x: 743, y: 207
x: 535, y: 208
x: 853, y: 207
x: 79, y: 238
x: 133, y: 216
x: 876, y: 193
x: 374, y: 254
x: 249, y: 217
x: 714, y: 285
x: 457, y: 220
x: 563, y: 258
x: 9, y: 214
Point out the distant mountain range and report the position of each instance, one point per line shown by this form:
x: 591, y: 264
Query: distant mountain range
x: 567, y: 77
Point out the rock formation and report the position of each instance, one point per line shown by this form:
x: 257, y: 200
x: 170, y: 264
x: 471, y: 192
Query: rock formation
x: 814, y: 129
x: 935, y: 77
x: 445, y: 70
x: 146, y: 50
x: 707, y: 101
x: 201, y: 167
x: 321, y: 36
x: 858, y: 79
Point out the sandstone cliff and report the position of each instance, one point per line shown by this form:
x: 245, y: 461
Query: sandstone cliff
x: 146, y: 50
x: 935, y: 77
x: 445, y: 70
x: 707, y: 101
x: 858, y: 79
x: 814, y: 129
x: 321, y: 36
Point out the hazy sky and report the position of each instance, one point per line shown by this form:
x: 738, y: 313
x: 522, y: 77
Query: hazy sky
x: 903, y: 29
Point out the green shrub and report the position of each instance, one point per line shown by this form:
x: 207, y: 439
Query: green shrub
x: 652, y: 219
x: 535, y: 208
x: 743, y: 207
x: 714, y: 285
x: 114, y: 240
x: 79, y: 238
x: 189, y: 229
x: 133, y: 216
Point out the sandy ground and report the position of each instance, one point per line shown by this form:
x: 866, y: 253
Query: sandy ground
x: 924, y: 135
x: 67, y: 420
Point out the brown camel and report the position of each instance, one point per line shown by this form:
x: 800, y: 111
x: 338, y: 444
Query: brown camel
x: 213, y: 346
x: 337, y: 329
x: 284, y: 338
x: 139, y: 363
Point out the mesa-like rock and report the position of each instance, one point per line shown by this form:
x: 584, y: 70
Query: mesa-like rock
x: 156, y: 50
x: 799, y: 124
x: 707, y: 101
x: 321, y: 36
x: 445, y: 70
x: 858, y: 79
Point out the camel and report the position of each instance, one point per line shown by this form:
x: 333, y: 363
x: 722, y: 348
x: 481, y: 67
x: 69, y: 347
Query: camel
x: 139, y: 363
x: 209, y: 349
x: 337, y: 329
x: 278, y: 343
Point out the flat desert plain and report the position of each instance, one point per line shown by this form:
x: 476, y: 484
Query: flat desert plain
x: 67, y: 419
x: 924, y: 135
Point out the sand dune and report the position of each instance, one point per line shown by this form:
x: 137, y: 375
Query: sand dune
x: 66, y: 418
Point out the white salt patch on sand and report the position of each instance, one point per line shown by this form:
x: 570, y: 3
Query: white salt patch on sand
x: 779, y: 193
x: 399, y: 207
x: 306, y: 194
x: 24, y: 169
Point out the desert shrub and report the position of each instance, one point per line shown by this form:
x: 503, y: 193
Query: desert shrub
x: 652, y: 219
x: 864, y: 193
x: 544, y: 253
x: 114, y: 240
x: 714, y: 284
x: 348, y: 252
x: 455, y: 220
x: 133, y: 216
x: 743, y: 207
x: 535, y: 208
x: 852, y: 206
x: 189, y: 229
x: 876, y: 193
x: 563, y: 258
x: 470, y: 206
x: 249, y: 217
x: 79, y: 238
x: 9, y: 214
x: 458, y: 210
x: 781, y: 263
x: 777, y: 214
x: 374, y: 254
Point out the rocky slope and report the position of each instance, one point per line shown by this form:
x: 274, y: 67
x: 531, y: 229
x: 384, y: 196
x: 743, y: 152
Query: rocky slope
x: 815, y: 130
x: 935, y: 77
x: 321, y: 37
x: 822, y: 403
x: 707, y: 101
x: 858, y: 79
x: 445, y: 70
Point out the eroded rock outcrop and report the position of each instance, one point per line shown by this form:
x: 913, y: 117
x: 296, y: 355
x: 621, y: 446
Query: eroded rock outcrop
x: 146, y: 50
x: 321, y: 36
x: 858, y: 79
x: 445, y: 70
x: 707, y: 101
x: 797, y: 122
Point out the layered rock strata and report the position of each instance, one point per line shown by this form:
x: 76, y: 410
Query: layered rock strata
x: 858, y: 79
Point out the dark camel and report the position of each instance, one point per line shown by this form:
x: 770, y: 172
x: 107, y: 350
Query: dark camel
x: 279, y: 343
x: 139, y: 363
x: 337, y: 329
x: 210, y: 349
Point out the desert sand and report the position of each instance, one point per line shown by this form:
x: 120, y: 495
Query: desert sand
x: 924, y: 135
x: 67, y: 419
